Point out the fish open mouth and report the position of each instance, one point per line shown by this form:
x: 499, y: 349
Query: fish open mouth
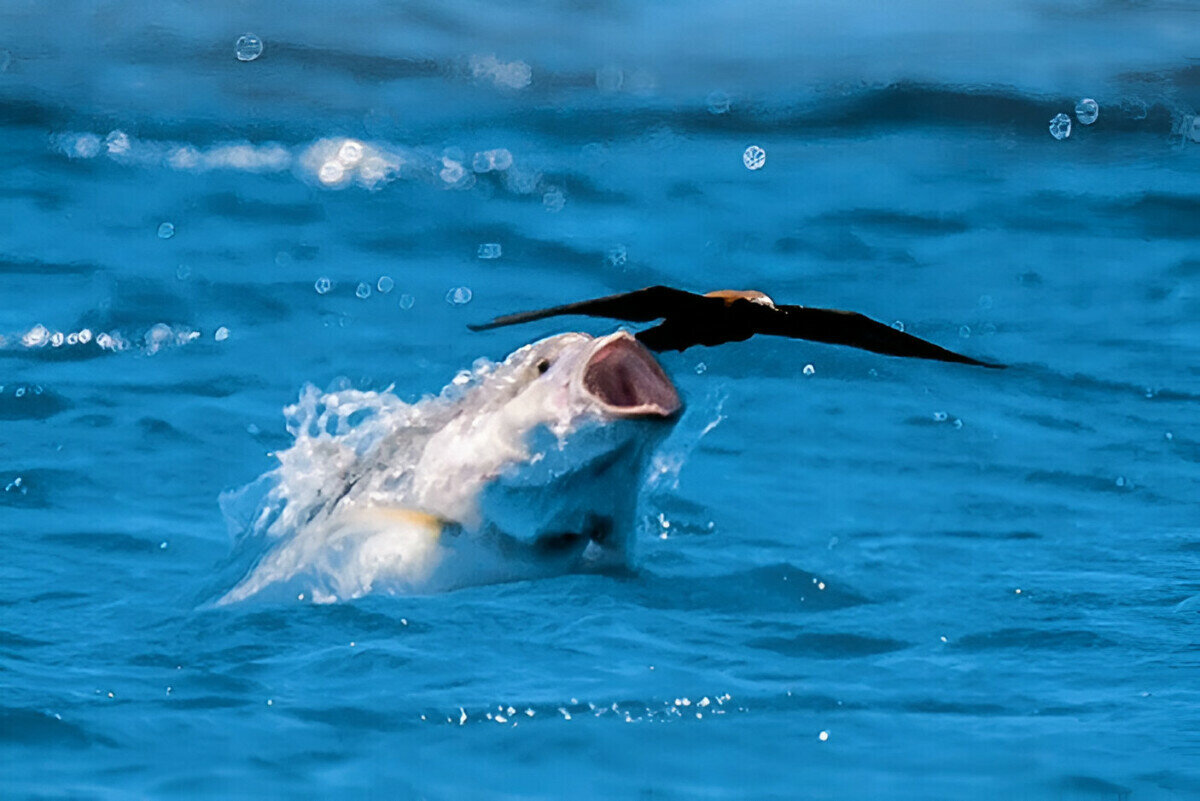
x: 627, y: 379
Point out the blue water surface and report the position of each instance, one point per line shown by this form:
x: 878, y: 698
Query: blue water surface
x: 875, y: 578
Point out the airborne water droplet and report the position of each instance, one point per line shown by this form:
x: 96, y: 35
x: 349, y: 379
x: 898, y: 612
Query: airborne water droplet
x: 1086, y: 111
x: 248, y: 47
x: 1060, y: 126
x: 754, y: 157
x: 459, y: 296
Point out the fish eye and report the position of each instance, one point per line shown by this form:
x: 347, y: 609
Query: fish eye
x: 543, y: 366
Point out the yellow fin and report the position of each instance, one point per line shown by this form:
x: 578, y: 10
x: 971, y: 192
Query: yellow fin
x: 432, y: 524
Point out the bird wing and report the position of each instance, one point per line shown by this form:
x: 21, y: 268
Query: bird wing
x: 837, y: 327
x: 640, y: 306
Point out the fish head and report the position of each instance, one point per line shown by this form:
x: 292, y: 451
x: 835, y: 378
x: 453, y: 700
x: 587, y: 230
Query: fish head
x: 554, y: 465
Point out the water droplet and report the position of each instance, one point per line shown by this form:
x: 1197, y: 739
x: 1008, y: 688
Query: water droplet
x: 459, y: 296
x: 1170, y: 436
x: 1120, y: 481
x: 183, y: 272
x: 364, y: 290
x: 350, y: 153
x: 958, y: 423
x: 36, y: 337
x: 1086, y: 111
x: 610, y: 78
x: 940, y: 417
x: 489, y: 250
x: 965, y: 332
x: 1060, y: 126
x: 407, y: 301
x: 248, y: 47
x: 823, y: 736
x: 898, y: 325
x: 331, y: 172
x: 221, y: 334
x: 754, y: 157
x: 810, y: 370
x: 85, y: 336
x: 617, y: 256
x: 701, y: 368
x: 166, y: 231
x: 385, y: 284
x: 162, y: 546
x: 717, y: 102
x: 57, y: 339
x: 554, y: 199
x: 117, y: 143
x: 323, y: 285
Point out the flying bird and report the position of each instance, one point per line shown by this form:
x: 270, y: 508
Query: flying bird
x: 732, y: 315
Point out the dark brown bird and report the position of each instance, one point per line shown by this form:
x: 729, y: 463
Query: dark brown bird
x: 731, y: 315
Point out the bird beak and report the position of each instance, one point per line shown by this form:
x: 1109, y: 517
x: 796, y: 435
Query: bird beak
x: 627, y: 380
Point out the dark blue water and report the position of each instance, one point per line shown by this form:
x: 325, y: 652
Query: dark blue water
x: 886, y: 579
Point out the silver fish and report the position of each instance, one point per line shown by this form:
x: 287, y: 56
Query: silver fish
x: 526, y: 468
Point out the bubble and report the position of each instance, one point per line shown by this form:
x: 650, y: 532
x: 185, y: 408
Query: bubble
x: 940, y: 417
x: 248, y: 47
x: 323, y: 285
x: 72, y: 338
x: 407, y: 301
x: 1137, y: 109
x: 489, y: 250
x: 86, y: 146
x: 701, y: 368
x: 617, y: 256
x: 350, y: 153
x: 501, y: 158
x: 452, y: 171
x: 157, y: 337
x: 810, y: 370
x: 57, y: 339
x: 85, y: 336
x: 221, y: 334
x: 19, y: 392
x: 364, y: 290
x: 1086, y: 111
x: 1060, y: 126
x: 183, y: 272
x: 553, y: 200
x: 717, y: 102
x: 610, y: 78
x: 898, y: 325
x: 385, y: 284
x: 331, y: 172
x: 965, y: 332
x: 754, y: 157
x: 1120, y: 481
x: 117, y: 143
x: 166, y: 230
x: 459, y: 296
x: 36, y: 337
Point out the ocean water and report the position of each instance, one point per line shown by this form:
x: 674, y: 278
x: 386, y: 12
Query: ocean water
x: 874, y: 578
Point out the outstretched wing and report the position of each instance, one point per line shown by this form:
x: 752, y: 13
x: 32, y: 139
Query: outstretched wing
x: 640, y: 306
x: 856, y: 330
